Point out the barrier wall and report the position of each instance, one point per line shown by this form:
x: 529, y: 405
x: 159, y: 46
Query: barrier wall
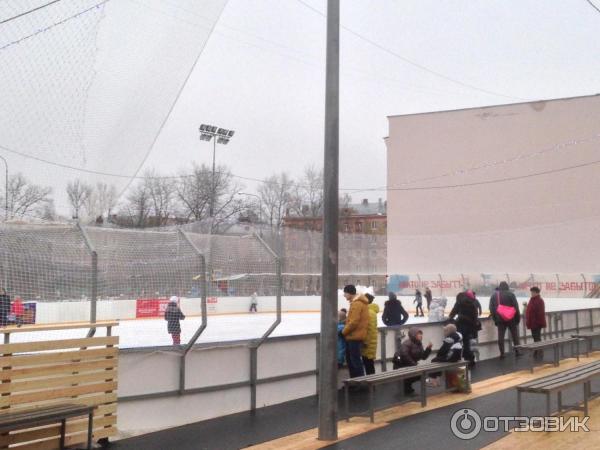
x: 218, y: 381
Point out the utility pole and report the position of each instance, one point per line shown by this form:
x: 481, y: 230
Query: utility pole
x: 329, y: 275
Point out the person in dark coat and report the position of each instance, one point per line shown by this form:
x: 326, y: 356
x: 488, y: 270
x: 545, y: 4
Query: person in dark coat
x: 465, y: 312
x: 535, y: 317
x: 428, y: 297
x: 419, y: 301
x: 450, y: 351
x: 4, y: 307
x: 410, y: 353
x: 173, y: 315
x: 503, y: 296
x: 393, y: 312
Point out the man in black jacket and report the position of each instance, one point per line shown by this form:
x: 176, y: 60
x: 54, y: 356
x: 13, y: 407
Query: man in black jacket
x: 503, y: 296
x: 393, y: 312
x: 465, y: 312
x: 4, y: 307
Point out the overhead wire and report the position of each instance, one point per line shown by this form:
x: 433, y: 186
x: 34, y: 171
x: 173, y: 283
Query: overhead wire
x: 411, y: 62
x: 28, y: 12
x: 593, y: 5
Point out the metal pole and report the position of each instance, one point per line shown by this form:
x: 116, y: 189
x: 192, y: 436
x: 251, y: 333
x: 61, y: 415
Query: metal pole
x: 5, y: 189
x: 212, y: 196
x: 190, y: 344
x: 328, y: 361
x: 94, y: 291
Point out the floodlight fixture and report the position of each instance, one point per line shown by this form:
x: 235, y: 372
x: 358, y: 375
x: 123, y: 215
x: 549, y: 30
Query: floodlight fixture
x: 222, y: 131
x: 230, y: 133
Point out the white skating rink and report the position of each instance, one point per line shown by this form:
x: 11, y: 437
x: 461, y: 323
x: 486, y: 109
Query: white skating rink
x: 235, y: 327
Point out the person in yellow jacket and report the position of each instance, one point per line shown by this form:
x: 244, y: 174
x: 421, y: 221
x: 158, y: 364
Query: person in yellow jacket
x: 355, y: 330
x: 369, y: 350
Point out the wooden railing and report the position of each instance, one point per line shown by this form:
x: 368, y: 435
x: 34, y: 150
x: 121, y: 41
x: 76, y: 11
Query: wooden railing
x: 37, y: 371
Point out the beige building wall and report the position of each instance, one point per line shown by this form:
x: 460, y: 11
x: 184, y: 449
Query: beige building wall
x: 542, y: 223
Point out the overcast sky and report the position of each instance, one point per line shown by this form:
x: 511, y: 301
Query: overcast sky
x: 261, y: 74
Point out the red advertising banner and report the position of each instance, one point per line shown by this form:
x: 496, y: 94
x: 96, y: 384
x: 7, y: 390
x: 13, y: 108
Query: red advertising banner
x: 150, y: 307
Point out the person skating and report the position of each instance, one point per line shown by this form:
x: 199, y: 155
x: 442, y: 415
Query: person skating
x: 369, y: 350
x: 419, y: 301
x: 428, y: 297
x: 254, y: 302
x: 504, y: 310
x: 535, y: 318
x: 173, y: 315
x: 393, y: 312
x: 410, y: 353
x: 4, y: 307
x: 355, y: 330
x: 465, y: 312
x: 17, y: 309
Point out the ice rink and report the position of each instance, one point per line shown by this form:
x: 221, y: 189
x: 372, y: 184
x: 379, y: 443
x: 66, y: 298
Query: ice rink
x: 235, y: 327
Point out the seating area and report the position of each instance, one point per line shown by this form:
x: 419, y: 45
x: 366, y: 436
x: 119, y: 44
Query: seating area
x: 38, y: 417
x: 559, y: 382
x: 61, y: 392
x: 421, y: 371
x: 555, y: 344
x: 588, y: 336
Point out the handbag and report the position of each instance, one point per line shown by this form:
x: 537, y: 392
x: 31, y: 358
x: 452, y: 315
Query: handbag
x: 506, y: 313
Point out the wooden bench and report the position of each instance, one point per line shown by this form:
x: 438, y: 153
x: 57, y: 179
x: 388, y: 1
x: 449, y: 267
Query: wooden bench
x: 588, y: 336
x: 420, y: 371
x: 555, y: 344
x: 560, y: 381
x: 38, y: 417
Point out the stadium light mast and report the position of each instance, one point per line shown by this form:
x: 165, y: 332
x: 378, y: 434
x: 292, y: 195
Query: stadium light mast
x: 5, y: 189
x: 221, y: 136
x: 329, y: 275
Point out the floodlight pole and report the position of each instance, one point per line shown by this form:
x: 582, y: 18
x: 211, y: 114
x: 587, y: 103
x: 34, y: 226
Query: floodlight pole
x: 213, y: 187
x: 328, y: 342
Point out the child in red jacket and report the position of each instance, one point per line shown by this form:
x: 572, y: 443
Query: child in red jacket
x: 535, y: 317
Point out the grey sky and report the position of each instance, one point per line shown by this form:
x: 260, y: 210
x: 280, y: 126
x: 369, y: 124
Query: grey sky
x: 262, y: 74
x: 267, y: 82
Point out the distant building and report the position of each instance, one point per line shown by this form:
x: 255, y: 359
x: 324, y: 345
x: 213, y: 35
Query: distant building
x: 362, y: 249
x: 363, y: 218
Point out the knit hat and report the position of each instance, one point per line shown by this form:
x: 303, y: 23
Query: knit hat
x: 449, y: 329
x: 470, y: 294
x: 350, y: 289
x: 173, y: 299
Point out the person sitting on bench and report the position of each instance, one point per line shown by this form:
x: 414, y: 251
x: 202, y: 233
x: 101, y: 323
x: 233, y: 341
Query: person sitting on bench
x: 411, y: 351
x: 450, y: 351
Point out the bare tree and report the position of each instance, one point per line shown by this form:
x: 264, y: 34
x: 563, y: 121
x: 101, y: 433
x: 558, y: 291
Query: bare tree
x: 162, y: 192
x: 195, y: 192
x: 102, y: 200
x: 26, y: 198
x: 307, y: 199
x: 276, y: 195
x: 78, y: 193
x: 138, y: 206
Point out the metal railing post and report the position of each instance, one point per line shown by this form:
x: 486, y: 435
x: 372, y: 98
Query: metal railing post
x: 258, y: 342
x: 383, y: 350
x: 94, y: 288
x: 203, y: 325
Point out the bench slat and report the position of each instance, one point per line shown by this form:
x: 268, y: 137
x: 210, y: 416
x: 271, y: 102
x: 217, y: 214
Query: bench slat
x: 566, y: 377
x: 42, y: 416
x: 546, y: 343
x: 405, y: 372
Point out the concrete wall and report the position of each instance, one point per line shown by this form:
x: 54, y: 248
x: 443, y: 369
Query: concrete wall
x: 531, y: 223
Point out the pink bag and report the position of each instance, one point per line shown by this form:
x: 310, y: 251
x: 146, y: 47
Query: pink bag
x: 506, y: 313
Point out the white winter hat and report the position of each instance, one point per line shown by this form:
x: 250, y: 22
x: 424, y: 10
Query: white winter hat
x: 173, y: 299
